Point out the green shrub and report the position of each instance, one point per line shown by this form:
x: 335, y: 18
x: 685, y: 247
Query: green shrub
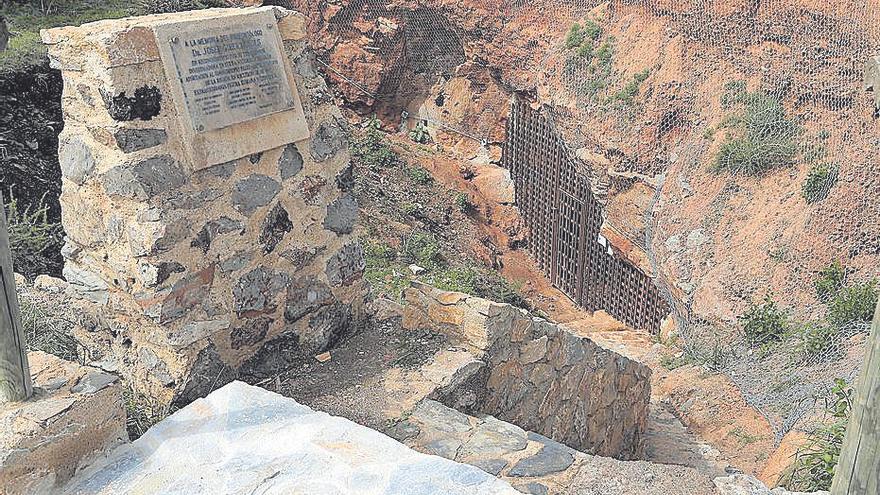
x: 579, y: 35
x: 831, y: 280
x: 486, y: 284
x: 854, y: 304
x: 419, y: 134
x: 575, y: 36
x: 420, y: 176
x: 764, y: 323
x: 817, y: 341
x: 631, y: 89
x: 814, y: 465
x: 423, y: 250
x: 464, y: 204
x: 385, y: 276
x: 35, y: 242
x: 762, y: 138
x: 820, y: 180
x: 372, y: 149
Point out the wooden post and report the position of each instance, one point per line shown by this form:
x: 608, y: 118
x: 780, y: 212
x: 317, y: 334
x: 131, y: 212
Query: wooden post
x: 15, y: 376
x: 858, y: 470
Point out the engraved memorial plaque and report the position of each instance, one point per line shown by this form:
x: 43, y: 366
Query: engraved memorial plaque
x: 231, y: 84
x: 230, y: 76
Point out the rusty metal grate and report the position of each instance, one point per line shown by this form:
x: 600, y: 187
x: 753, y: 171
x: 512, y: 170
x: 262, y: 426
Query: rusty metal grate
x: 557, y: 204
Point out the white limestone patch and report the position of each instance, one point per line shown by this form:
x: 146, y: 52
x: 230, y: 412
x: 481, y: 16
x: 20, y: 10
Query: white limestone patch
x: 245, y: 440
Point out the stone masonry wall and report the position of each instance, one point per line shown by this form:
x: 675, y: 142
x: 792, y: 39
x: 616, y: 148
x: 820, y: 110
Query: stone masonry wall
x: 184, y: 273
x: 540, y: 376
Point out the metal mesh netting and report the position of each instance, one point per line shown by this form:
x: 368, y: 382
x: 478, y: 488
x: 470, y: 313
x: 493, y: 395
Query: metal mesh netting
x: 733, y: 142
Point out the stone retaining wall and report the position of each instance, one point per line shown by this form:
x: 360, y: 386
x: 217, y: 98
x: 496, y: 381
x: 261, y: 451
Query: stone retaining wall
x: 189, y: 268
x: 540, y: 376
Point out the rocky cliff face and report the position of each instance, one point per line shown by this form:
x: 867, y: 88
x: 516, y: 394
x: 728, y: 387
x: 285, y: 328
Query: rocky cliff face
x: 645, y: 108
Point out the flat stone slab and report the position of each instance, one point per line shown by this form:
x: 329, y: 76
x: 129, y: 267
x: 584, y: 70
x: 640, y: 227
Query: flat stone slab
x: 243, y: 439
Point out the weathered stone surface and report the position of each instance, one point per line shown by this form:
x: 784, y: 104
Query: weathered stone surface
x: 493, y: 438
x: 327, y: 141
x: 212, y: 229
x: 186, y: 294
x: 276, y: 224
x: 88, y: 284
x: 93, y: 381
x: 144, y: 104
x: 290, y: 163
x: 208, y: 373
x: 158, y: 368
x: 491, y: 466
x: 345, y: 178
x: 195, y: 331
x: 144, y: 179
x: 243, y: 439
x: 256, y: 291
x: 341, y: 215
x: 548, y: 460
x: 76, y: 414
x: 251, y: 332
x: 440, y: 417
x: 75, y: 158
x: 304, y: 296
x: 326, y: 327
x: 541, y: 377
x: 235, y: 262
x: 131, y: 140
x: 444, y: 447
x: 254, y: 191
x: 302, y: 256
x: 533, y: 488
x: 346, y: 266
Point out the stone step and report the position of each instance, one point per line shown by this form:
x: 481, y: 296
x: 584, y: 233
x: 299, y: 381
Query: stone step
x: 536, y: 464
x: 243, y: 439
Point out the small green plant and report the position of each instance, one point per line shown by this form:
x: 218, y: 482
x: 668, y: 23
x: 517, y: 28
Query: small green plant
x: 831, y: 279
x: 486, y: 284
x: 778, y: 254
x: 744, y: 437
x: 854, y: 304
x: 384, y: 274
x: 821, y: 178
x: 764, y: 323
x: 709, y: 133
x: 824, y: 134
x: 575, y: 36
x: 629, y: 92
x: 420, y: 176
x: 762, y: 137
x: 34, y: 240
x: 372, y: 148
x: 463, y: 202
x: 422, y: 249
x: 817, y: 341
x: 419, y: 134
x: 814, y: 464
x: 589, y: 67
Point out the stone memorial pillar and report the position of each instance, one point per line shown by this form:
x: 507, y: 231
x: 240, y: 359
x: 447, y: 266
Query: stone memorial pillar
x: 206, y: 194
